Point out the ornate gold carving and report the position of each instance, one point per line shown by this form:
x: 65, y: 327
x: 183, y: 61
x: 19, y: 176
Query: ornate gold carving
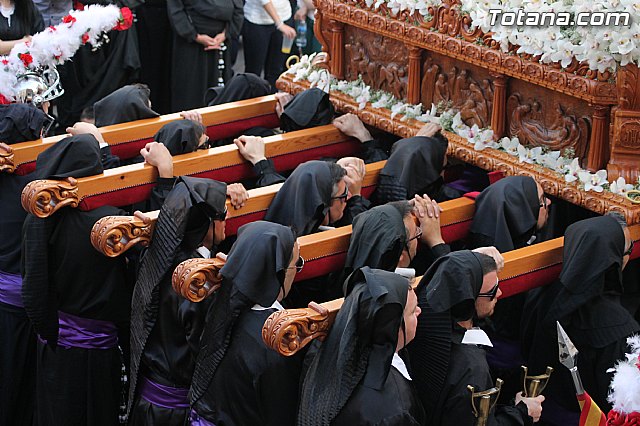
x: 381, y: 62
x: 290, y: 330
x: 448, y: 33
x: 113, y: 235
x: 508, y: 164
x: 196, y: 279
x: 554, y: 130
x: 456, y: 87
x: 630, y: 134
x: 6, y: 160
x: 44, y: 197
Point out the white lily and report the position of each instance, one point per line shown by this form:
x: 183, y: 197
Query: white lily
x: 593, y: 181
x: 620, y: 186
x: 526, y: 155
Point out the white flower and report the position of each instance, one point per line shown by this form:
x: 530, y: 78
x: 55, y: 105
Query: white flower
x: 397, y: 109
x: 619, y: 186
x: 551, y: 160
x: 510, y: 145
x: 526, y: 155
x: 593, y: 181
x: 571, y: 171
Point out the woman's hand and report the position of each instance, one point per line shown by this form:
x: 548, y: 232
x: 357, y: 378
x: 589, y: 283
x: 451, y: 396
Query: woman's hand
x: 287, y: 31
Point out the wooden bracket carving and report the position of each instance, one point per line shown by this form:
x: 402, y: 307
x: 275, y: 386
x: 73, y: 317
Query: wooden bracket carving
x: 196, y: 279
x: 44, y: 197
x: 6, y: 160
x: 290, y: 330
x: 113, y: 235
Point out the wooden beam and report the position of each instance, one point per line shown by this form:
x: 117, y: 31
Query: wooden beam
x: 43, y: 197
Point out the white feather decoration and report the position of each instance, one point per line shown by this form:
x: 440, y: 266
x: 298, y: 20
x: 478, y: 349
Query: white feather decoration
x: 56, y: 45
x: 625, y: 386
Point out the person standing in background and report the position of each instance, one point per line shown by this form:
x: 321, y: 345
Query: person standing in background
x: 19, y: 20
x: 265, y: 23
x: 307, y: 13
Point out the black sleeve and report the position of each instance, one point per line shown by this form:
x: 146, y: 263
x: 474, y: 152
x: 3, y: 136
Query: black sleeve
x: 440, y: 250
x: 37, y: 23
x: 109, y: 161
x: 358, y: 204
x: 160, y: 192
x: 278, y: 388
x: 180, y: 20
x: 371, y: 152
x: 235, y: 26
x: 267, y: 174
x: 509, y: 415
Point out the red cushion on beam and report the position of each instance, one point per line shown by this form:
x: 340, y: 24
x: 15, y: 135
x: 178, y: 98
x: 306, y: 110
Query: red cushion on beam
x: 455, y: 231
x: 122, y: 197
x: 366, y: 191
x: 129, y: 149
x: 314, y: 268
x: 235, y: 128
x: 232, y: 224
x: 530, y: 280
x: 128, y: 196
x: 495, y: 176
x: 25, y: 168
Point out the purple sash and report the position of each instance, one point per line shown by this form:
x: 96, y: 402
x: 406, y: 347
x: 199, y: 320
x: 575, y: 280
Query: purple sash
x: 11, y: 289
x: 76, y: 332
x: 164, y: 396
x: 196, y: 420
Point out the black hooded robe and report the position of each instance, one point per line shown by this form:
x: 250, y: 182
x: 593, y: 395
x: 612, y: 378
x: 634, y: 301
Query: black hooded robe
x: 442, y: 365
x: 63, y: 273
x: 413, y: 167
x: 128, y: 103
x: 350, y: 379
x: 506, y: 217
x: 166, y: 328
x: 238, y: 380
x: 194, y: 70
x: 586, y: 301
x: 19, y: 123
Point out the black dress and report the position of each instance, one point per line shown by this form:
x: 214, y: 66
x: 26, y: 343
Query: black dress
x: 253, y: 385
x: 17, y: 29
x: 368, y: 406
x: 468, y: 366
x: 170, y: 355
x: 194, y: 70
x: 81, y: 385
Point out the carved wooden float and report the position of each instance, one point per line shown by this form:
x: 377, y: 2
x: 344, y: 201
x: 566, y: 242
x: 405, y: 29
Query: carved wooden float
x: 488, y: 159
x: 114, y: 235
x: 195, y: 283
x: 126, y: 139
x: 290, y: 330
x: 444, y: 60
x: 131, y: 184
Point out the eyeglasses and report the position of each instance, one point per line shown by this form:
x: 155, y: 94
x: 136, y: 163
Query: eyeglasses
x: 206, y: 144
x: 417, y: 236
x: 544, y: 201
x: 299, y: 265
x: 629, y: 250
x: 343, y: 196
x: 220, y: 216
x: 491, y: 294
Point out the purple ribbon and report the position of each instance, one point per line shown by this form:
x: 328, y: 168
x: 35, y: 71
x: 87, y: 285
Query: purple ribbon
x: 164, y: 396
x: 196, y: 420
x: 76, y: 332
x: 11, y: 289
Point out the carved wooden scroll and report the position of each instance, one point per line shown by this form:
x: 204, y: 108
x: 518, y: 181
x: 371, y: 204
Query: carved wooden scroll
x: 288, y: 331
x: 113, y: 235
x: 44, y: 197
x: 196, y: 279
x: 7, y: 164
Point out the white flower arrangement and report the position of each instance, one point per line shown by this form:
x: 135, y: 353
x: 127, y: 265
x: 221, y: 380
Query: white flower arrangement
x: 602, y: 48
x: 450, y: 120
x: 57, y: 44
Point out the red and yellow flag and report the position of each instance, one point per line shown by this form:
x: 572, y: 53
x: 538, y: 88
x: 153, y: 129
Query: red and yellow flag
x: 590, y: 413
